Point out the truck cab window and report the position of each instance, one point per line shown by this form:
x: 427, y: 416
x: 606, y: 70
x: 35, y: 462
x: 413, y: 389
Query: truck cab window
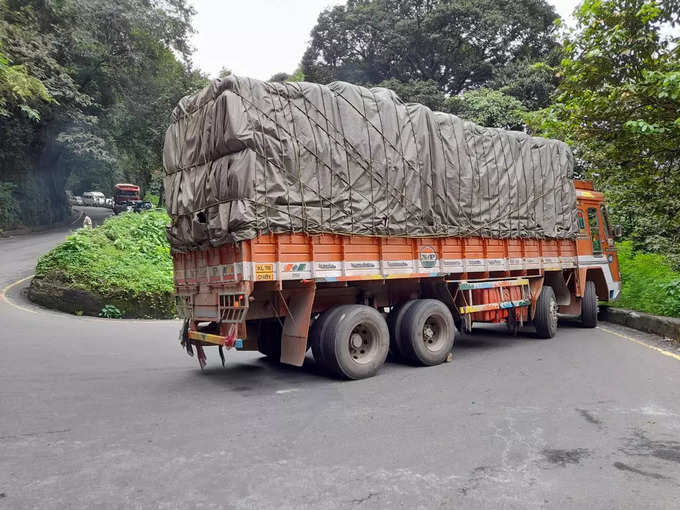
x: 595, y: 236
x: 607, y: 227
x: 581, y: 223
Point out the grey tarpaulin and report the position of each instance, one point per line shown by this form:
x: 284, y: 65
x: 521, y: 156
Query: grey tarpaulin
x: 244, y: 157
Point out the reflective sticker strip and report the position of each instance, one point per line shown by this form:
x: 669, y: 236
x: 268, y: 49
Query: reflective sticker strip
x: 492, y: 285
x: 493, y: 306
x: 453, y: 265
x: 398, y: 266
x: 475, y: 265
x: 497, y: 264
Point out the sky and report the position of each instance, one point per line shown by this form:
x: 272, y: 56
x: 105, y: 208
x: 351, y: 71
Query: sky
x: 258, y: 38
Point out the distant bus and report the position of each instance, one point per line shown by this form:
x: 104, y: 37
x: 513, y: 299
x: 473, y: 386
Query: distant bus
x: 124, y: 196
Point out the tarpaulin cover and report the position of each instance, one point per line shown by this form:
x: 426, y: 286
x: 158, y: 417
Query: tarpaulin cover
x: 244, y: 157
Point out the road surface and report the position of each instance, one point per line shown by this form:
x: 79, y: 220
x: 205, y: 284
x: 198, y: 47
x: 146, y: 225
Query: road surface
x: 97, y: 413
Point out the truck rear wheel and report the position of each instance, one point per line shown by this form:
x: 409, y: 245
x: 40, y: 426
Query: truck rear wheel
x: 589, y: 306
x: 356, y: 342
x: 545, y: 318
x: 427, y: 332
x: 317, y: 333
x: 269, y: 338
x: 395, y: 321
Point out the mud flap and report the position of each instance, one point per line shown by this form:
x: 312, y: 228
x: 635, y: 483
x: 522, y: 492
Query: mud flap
x: 296, y: 326
x: 184, y: 340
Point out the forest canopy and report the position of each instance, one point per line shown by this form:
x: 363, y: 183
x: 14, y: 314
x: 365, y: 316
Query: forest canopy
x: 86, y: 90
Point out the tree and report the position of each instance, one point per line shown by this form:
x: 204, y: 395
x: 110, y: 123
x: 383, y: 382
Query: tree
x: 456, y: 43
x: 298, y: 75
x: 115, y: 69
x: 618, y: 106
x: 423, y: 92
x: 489, y: 108
x: 533, y: 83
x: 278, y: 77
x: 19, y: 89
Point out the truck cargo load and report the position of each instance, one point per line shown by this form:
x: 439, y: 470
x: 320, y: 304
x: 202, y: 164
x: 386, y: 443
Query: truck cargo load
x: 245, y: 157
x: 341, y: 220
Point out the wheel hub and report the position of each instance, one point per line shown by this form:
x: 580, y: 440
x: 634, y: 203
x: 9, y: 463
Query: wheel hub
x: 432, y: 334
x: 356, y: 341
x: 362, y: 344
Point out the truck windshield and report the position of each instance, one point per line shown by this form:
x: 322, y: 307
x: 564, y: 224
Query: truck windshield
x: 126, y: 193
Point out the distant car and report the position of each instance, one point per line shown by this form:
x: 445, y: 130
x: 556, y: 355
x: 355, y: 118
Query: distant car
x: 109, y: 203
x: 77, y: 200
x: 94, y: 198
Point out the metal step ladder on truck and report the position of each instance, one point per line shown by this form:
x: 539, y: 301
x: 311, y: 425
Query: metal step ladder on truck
x: 354, y: 298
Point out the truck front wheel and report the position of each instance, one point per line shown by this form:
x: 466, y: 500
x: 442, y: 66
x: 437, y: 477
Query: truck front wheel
x: 355, y: 342
x: 427, y: 332
x: 589, y: 306
x: 545, y: 318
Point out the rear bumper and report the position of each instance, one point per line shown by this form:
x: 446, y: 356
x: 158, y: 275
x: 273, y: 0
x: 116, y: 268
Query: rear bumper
x: 225, y: 341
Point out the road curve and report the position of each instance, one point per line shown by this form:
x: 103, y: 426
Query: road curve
x: 112, y: 414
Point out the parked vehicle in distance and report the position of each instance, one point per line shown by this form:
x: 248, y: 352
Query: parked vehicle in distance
x: 109, y: 203
x: 94, y: 199
x: 125, y: 196
x: 76, y: 200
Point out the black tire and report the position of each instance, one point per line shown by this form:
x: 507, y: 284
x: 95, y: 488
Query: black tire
x: 545, y: 318
x: 395, y: 321
x: 427, y: 332
x: 356, y: 342
x: 316, y: 334
x: 589, y: 306
x: 269, y: 338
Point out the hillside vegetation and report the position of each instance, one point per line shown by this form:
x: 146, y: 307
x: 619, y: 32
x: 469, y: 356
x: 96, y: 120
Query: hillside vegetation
x: 123, y: 265
x: 649, y: 282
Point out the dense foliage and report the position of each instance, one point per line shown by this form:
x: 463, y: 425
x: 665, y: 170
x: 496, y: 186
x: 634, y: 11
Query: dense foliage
x: 126, y: 261
x: 19, y: 89
x: 456, y: 43
x: 618, y: 106
x: 649, y: 282
x: 98, y: 82
x: 489, y: 108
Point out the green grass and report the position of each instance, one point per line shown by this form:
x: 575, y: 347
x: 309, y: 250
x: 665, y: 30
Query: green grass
x: 649, y: 282
x: 126, y: 261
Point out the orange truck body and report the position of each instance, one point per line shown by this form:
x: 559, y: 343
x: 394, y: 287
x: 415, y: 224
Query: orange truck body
x: 292, y: 277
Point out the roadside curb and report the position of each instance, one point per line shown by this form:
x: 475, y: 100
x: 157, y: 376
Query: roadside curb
x: 666, y: 327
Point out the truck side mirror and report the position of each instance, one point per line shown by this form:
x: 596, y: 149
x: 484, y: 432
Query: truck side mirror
x: 618, y: 231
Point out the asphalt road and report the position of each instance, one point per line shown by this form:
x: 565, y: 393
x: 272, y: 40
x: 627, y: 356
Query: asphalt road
x: 97, y: 413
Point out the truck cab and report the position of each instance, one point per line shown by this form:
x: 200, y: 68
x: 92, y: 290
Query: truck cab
x: 596, y: 243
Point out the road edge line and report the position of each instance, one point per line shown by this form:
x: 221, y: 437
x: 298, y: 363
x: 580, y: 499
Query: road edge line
x: 644, y: 344
x: 3, y: 295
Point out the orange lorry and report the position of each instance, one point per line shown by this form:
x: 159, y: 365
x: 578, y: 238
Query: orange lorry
x: 364, y: 295
x: 340, y: 219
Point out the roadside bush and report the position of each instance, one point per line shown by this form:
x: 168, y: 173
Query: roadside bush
x: 125, y: 263
x: 649, y: 282
x: 110, y: 312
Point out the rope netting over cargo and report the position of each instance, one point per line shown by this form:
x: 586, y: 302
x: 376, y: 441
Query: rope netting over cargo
x: 244, y: 157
